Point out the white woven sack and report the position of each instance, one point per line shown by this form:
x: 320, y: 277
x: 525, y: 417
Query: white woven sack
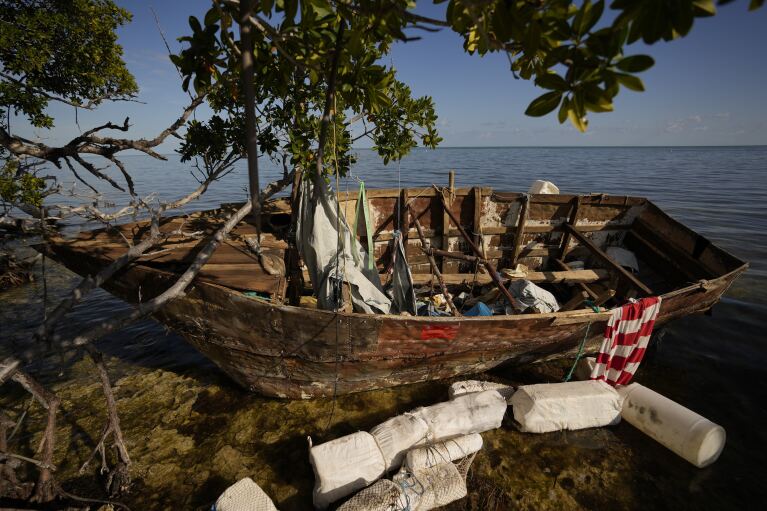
x: 572, y: 405
x: 460, y: 388
x: 470, y: 413
x: 343, y: 466
x: 430, y: 488
x: 442, y: 452
x: 244, y: 495
x: 383, y: 495
x: 398, y: 434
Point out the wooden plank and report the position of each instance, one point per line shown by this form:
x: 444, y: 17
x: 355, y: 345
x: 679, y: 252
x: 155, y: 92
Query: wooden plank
x: 562, y: 277
x: 393, y: 193
x: 620, y: 270
x: 520, y: 230
x: 477, y: 222
x: 586, y: 289
x: 496, y: 230
x: 586, y: 318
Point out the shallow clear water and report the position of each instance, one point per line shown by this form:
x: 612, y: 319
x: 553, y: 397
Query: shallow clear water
x: 192, y: 432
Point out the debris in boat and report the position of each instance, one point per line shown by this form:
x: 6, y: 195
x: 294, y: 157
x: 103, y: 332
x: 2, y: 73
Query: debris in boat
x: 626, y: 258
x: 546, y: 187
x: 460, y: 388
x: 532, y: 296
x: 349, y: 463
x: 574, y: 405
x: 244, y: 495
x: 309, y: 302
x: 449, y: 450
x: 686, y: 433
x: 625, y: 340
x: 480, y: 309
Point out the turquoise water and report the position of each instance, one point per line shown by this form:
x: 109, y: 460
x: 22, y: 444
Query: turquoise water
x: 715, y: 365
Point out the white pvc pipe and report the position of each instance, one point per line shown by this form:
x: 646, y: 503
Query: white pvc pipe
x: 691, y: 436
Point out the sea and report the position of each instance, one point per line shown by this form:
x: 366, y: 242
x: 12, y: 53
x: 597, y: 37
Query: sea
x: 192, y: 432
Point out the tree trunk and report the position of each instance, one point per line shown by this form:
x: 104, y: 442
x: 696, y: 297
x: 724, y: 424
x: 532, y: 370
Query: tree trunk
x: 251, y: 134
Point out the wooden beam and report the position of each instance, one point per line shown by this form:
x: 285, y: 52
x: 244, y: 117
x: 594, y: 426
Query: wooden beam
x: 561, y: 277
x: 520, y: 229
x: 548, y: 277
x: 571, y: 220
x: 446, y: 219
x: 620, y: 270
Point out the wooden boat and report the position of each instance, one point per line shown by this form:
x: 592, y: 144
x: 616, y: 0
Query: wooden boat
x: 233, y: 313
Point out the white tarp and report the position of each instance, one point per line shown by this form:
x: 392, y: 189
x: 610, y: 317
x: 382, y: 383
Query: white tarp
x: 449, y: 450
x: 244, y: 495
x: 532, y: 295
x: 470, y: 413
x: 343, y: 466
x: 460, y: 388
x: 398, y: 434
x: 329, y: 261
x: 573, y: 405
x: 623, y: 257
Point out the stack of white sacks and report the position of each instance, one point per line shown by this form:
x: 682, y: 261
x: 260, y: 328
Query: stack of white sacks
x: 350, y: 463
x: 426, y: 441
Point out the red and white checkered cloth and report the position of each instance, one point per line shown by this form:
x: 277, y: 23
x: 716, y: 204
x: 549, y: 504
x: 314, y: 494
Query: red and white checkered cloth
x: 626, y: 336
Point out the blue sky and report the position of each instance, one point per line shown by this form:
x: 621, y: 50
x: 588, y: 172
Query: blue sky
x: 706, y: 89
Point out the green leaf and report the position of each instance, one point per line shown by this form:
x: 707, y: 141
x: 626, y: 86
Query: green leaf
x: 704, y: 7
x: 551, y: 81
x: 562, y: 115
x: 579, y: 122
x: 544, y: 104
x: 212, y: 16
x: 635, y: 63
x: 630, y: 82
x: 194, y: 23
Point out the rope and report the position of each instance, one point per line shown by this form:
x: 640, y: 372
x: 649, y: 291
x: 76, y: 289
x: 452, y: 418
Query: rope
x: 580, y: 353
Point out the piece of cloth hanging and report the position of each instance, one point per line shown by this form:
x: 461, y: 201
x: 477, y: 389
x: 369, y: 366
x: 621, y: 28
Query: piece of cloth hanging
x: 626, y: 336
x: 364, y: 212
x: 403, y: 293
x: 331, y: 257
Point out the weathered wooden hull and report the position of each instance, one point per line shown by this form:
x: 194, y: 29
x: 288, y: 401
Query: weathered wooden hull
x: 295, y: 352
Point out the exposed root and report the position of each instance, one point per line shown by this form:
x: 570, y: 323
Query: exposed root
x: 117, y: 477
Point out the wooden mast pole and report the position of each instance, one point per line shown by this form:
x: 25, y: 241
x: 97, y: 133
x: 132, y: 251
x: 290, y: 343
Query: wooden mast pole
x: 251, y: 134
